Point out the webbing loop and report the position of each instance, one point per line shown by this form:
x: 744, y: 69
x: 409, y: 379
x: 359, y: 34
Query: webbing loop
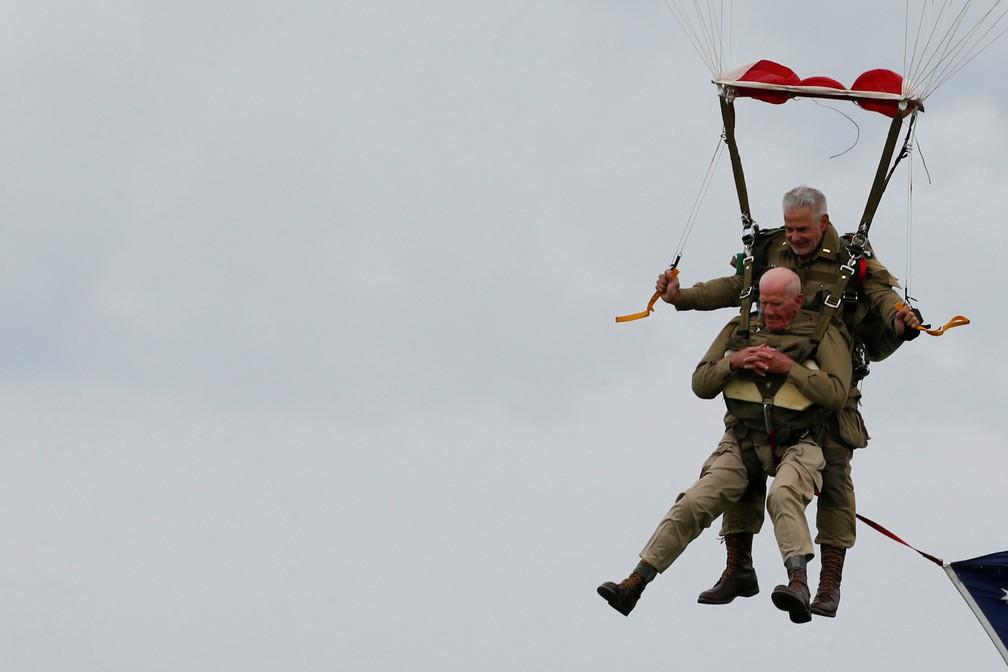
x: 956, y: 321
x: 650, y: 305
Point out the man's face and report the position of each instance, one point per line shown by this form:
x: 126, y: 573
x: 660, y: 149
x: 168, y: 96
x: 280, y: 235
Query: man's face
x: 777, y: 309
x: 804, y: 234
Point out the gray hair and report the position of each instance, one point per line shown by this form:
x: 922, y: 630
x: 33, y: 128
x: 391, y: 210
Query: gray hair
x: 805, y: 197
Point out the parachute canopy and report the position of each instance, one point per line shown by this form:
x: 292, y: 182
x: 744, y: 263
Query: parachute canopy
x: 876, y: 90
x: 939, y: 39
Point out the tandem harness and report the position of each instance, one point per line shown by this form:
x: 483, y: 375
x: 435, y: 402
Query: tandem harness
x: 777, y: 408
x: 841, y: 286
x: 773, y: 404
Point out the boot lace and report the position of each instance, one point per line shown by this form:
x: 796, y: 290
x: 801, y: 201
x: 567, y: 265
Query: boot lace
x: 734, y: 548
x: 832, y: 566
x: 633, y: 583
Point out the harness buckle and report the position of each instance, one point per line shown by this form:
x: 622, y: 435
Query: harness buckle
x: 768, y: 415
x: 858, y: 243
x: 747, y: 265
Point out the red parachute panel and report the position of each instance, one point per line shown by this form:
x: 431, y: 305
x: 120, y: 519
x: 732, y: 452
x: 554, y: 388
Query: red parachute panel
x: 876, y: 90
x: 879, y: 81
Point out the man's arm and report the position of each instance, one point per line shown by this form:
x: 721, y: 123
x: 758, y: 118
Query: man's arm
x: 878, y: 289
x: 714, y: 370
x: 711, y: 295
x: 896, y: 322
x: 827, y: 386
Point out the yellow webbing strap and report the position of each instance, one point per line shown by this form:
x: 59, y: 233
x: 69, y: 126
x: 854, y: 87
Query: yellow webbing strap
x: 956, y: 321
x: 650, y: 306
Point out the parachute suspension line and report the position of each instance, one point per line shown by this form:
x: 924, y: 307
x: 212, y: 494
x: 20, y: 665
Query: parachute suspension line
x: 949, y: 54
x: 942, y: 53
x: 697, y: 202
x: 911, y: 147
x: 966, y: 53
x: 923, y: 55
x: 957, y: 320
x: 708, y: 40
x: 707, y: 35
x: 909, y: 236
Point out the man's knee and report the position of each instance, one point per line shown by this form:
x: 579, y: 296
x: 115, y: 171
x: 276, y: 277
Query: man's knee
x: 782, y: 492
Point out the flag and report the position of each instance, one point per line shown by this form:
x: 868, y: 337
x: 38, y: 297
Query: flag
x: 983, y: 583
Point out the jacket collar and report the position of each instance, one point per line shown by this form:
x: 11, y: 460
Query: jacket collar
x: 830, y: 247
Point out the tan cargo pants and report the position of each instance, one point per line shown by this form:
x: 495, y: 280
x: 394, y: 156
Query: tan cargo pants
x: 724, y: 478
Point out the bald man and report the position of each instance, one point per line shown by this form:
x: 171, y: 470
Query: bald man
x: 778, y: 385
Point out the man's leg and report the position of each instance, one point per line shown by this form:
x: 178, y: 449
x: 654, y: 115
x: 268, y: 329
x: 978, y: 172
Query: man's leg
x: 836, y: 524
x: 739, y: 523
x: 794, y: 485
x: 723, y: 479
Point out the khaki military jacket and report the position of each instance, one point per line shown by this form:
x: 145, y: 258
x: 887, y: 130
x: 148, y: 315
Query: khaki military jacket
x: 875, y: 294
x: 827, y: 386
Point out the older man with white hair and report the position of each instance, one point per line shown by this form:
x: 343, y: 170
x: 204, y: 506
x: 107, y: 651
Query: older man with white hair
x: 779, y: 384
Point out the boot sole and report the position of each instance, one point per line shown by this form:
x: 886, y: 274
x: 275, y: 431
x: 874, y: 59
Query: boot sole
x: 612, y: 597
x: 709, y: 600
x: 819, y: 611
x: 794, y: 605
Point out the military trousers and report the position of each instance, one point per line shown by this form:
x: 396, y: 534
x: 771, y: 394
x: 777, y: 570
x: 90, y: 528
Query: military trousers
x: 836, y: 522
x: 724, y: 479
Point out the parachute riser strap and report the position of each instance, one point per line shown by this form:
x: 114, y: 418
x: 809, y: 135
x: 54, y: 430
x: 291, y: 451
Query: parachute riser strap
x: 728, y: 118
x: 749, y: 228
x: 884, y: 171
x: 859, y: 241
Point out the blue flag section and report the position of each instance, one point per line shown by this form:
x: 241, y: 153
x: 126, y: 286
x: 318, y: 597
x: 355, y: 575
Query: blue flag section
x: 983, y: 583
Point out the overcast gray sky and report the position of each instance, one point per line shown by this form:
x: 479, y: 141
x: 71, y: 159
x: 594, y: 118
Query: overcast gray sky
x: 310, y: 360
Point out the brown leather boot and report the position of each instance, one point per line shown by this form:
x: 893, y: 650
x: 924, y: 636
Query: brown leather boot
x: 739, y: 577
x: 623, y: 596
x: 827, y: 598
x: 794, y: 597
